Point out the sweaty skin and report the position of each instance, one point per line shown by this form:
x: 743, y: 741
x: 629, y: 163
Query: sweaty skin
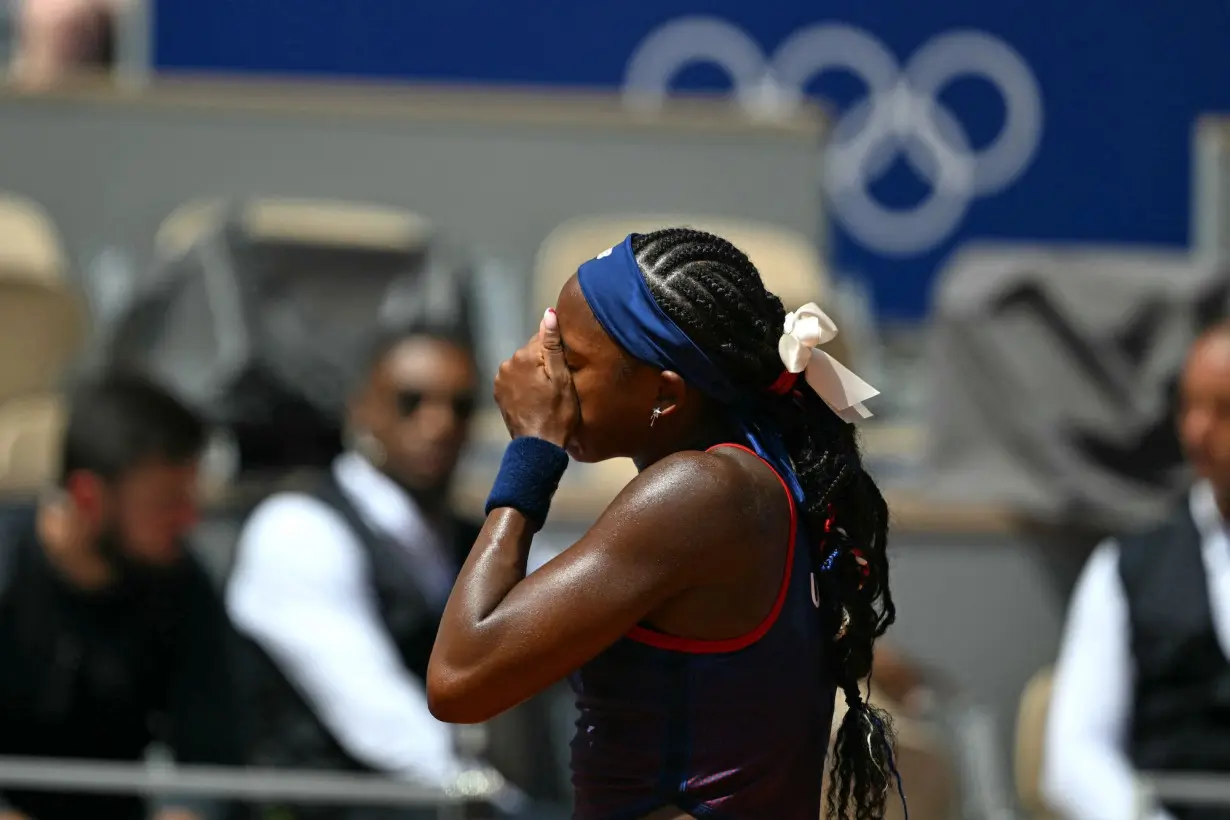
x: 695, y: 546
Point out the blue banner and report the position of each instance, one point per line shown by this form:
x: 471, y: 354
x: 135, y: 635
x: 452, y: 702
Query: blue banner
x: 1049, y: 120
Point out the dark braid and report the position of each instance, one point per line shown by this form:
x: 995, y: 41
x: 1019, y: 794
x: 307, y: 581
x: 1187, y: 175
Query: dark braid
x: 713, y: 292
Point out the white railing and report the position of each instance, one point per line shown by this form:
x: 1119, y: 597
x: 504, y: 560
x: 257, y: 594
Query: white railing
x: 165, y: 780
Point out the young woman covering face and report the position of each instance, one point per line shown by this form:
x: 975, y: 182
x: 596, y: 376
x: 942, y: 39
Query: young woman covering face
x: 708, y: 618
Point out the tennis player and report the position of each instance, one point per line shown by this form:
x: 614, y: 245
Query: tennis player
x: 709, y: 617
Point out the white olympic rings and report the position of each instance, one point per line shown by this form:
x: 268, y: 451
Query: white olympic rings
x: 901, y: 116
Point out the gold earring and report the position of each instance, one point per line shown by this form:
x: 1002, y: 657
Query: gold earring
x: 654, y: 416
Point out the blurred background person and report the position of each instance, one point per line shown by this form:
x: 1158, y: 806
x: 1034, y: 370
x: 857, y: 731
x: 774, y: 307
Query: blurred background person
x: 1143, y: 678
x: 111, y: 635
x: 53, y: 39
x: 339, y: 591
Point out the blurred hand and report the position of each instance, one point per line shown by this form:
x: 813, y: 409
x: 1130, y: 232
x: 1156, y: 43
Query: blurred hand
x: 534, y: 388
x: 12, y: 815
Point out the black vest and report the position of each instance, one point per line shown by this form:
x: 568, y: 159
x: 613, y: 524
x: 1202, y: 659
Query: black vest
x: 1181, y: 704
x: 283, y: 727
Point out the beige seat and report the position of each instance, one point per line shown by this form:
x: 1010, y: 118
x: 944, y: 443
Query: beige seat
x: 30, y: 246
x: 31, y: 436
x: 43, y: 321
x: 310, y: 221
x: 1030, y: 741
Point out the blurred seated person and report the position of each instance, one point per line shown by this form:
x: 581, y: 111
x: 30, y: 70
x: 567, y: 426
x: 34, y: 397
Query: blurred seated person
x: 340, y: 591
x: 1143, y: 678
x: 57, y: 38
x: 108, y: 626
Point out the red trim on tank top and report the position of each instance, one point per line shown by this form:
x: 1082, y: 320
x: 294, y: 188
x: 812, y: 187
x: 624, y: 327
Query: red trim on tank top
x: 661, y: 640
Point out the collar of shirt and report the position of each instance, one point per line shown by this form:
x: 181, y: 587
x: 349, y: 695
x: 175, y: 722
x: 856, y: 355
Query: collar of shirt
x: 1208, y: 517
x: 391, y: 511
x: 1215, y: 553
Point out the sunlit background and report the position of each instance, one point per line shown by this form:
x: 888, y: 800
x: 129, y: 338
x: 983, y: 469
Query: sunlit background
x: 1018, y: 214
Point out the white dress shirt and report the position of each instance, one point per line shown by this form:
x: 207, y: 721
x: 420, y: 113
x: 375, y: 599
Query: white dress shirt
x: 1086, y: 773
x: 301, y: 590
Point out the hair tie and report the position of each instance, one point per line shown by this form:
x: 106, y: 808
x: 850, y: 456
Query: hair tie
x: 864, y: 568
x: 784, y: 384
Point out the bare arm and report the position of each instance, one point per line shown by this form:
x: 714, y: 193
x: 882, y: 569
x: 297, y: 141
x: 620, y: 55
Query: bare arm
x: 505, y: 637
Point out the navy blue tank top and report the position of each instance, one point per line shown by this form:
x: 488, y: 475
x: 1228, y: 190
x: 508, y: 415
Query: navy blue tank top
x: 734, y: 729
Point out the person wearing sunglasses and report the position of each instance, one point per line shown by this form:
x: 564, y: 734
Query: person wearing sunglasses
x: 338, y: 592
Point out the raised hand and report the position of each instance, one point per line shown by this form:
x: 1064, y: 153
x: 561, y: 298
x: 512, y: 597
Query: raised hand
x: 534, y: 390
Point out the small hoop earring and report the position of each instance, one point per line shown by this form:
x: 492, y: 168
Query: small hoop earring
x: 654, y: 416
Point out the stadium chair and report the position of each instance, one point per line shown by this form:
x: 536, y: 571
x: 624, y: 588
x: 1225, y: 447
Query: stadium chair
x: 31, y: 429
x: 313, y: 221
x: 43, y: 324
x: 1030, y: 737
x: 43, y: 321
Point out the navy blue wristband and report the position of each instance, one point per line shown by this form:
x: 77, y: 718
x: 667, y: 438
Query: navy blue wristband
x: 528, y: 478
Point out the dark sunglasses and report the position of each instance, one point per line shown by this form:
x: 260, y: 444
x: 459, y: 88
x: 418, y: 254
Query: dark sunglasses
x: 409, y: 401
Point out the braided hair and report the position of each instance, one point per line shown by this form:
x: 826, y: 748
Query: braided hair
x: 713, y: 292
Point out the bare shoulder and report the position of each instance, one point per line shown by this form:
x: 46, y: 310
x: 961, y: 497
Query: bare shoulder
x: 689, y: 481
x: 694, y: 503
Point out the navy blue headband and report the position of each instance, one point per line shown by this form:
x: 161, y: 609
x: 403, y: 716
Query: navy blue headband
x: 615, y: 289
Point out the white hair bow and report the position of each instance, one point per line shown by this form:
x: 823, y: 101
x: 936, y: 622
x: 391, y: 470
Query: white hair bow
x: 806, y: 329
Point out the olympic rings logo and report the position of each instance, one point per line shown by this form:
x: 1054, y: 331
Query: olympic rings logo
x: 901, y: 116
